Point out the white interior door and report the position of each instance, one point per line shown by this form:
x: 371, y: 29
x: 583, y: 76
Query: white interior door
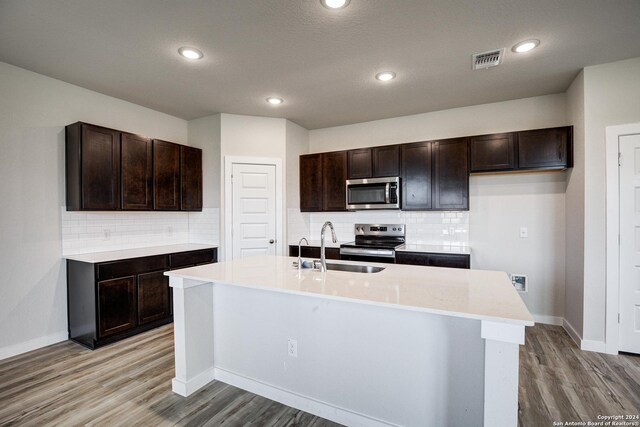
x: 253, y: 189
x: 630, y: 243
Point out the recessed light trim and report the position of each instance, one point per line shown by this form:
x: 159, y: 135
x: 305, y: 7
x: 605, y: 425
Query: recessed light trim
x: 385, y: 76
x: 525, y: 46
x: 190, y: 53
x: 335, y: 4
x: 274, y: 100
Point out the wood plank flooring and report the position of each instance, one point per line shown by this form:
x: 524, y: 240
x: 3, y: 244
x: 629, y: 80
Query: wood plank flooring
x: 560, y: 382
x: 129, y: 383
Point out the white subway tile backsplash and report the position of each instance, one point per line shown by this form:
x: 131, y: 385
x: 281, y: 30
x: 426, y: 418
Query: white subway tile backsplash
x: 84, y: 232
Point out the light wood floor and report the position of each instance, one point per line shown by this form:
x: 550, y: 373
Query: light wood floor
x: 129, y: 383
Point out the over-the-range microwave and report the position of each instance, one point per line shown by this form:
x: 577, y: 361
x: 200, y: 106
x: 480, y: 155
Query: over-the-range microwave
x: 373, y: 193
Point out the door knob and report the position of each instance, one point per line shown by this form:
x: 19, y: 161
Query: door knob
x: 271, y: 241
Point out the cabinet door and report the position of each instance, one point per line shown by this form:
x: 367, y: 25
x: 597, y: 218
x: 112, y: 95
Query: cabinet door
x: 543, y: 148
x: 451, y: 175
x: 166, y: 175
x: 311, y: 183
x: 416, y: 176
x: 412, y: 258
x: 386, y: 161
x: 449, y: 260
x: 191, y: 178
x: 136, y: 177
x: 116, y: 305
x: 100, y: 168
x: 334, y: 181
x: 153, y: 297
x: 359, y: 163
x: 492, y: 152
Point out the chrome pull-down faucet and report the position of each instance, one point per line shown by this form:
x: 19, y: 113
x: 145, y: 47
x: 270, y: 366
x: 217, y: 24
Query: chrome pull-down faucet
x: 323, y: 259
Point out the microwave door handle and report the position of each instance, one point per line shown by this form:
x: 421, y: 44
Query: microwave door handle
x: 386, y: 192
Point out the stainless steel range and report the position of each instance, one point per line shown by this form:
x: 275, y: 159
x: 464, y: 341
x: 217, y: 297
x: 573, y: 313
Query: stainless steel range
x: 374, y: 243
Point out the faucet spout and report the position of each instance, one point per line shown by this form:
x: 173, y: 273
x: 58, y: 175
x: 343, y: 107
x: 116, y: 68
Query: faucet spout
x: 300, y: 251
x: 323, y: 259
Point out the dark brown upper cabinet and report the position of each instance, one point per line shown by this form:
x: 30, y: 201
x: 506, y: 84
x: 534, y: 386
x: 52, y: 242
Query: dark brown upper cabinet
x: 376, y: 162
x: 545, y: 148
x: 451, y: 174
x: 359, y: 163
x: 416, y: 176
x: 136, y: 177
x: 493, y: 152
x: 334, y: 171
x: 92, y: 167
x: 166, y: 175
x: 311, y: 199
x: 191, y: 178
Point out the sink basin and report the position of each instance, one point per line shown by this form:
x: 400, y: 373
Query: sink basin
x: 354, y: 268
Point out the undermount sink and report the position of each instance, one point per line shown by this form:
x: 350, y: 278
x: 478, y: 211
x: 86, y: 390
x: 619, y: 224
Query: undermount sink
x: 354, y: 268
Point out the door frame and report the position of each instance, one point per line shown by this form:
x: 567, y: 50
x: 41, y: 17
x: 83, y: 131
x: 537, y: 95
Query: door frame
x: 612, y: 308
x: 229, y: 161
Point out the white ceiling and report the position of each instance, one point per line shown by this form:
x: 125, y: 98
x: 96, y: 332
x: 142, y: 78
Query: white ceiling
x: 321, y: 61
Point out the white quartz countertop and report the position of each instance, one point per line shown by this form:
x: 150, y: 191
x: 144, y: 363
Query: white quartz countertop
x: 474, y: 294
x: 97, y: 257
x: 436, y: 249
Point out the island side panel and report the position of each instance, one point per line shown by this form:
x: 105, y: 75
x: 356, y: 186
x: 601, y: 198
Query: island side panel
x: 193, y: 335
x: 356, y: 363
x: 502, y: 352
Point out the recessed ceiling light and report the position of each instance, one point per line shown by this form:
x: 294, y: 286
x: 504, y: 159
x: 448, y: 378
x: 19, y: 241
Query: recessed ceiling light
x: 335, y: 4
x: 275, y: 100
x: 385, y: 76
x: 190, y: 52
x: 525, y: 46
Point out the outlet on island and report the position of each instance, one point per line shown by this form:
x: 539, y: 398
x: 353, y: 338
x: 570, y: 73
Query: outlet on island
x: 292, y: 348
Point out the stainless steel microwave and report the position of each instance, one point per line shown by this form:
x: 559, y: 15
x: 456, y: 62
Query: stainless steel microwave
x: 373, y: 193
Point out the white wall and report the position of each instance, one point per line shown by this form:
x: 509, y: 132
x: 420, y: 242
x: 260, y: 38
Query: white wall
x: 499, y: 201
x: 33, y: 112
x: 204, y: 133
x: 574, y: 251
x: 611, y: 97
x: 297, y: 143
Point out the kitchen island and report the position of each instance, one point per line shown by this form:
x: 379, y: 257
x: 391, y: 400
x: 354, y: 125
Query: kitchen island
x: 407, y: 345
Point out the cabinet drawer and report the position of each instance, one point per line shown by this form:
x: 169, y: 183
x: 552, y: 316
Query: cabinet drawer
x: 450, y: 261
x: 110, y: 270
x: 184, y: 259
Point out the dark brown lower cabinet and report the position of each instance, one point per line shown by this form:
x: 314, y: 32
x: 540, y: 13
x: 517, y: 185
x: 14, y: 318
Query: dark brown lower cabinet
x: 433, y: 259
x: 153, y: 297
x: 314, y: 252
x: 117, y: 305
x: 109, y: 301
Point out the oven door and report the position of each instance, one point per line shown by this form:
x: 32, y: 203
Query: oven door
x: 387, y: 256
x: 375, y: 193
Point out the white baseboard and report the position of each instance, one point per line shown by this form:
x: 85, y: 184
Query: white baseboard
x: 34, y: 344
x: 194, y: 384
x: 303, y: 403
x: 572, y: 333
x: 548, y: 320
x: 591, y: 345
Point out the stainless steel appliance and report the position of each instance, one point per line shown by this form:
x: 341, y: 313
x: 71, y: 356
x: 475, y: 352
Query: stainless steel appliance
x: 374, y: 243
x: 373, y: 193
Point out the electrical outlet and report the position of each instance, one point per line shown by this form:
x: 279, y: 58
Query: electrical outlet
x: 524, y: 232
x: 106, y: 234
x: 519, y: 282
x: 292, y: 348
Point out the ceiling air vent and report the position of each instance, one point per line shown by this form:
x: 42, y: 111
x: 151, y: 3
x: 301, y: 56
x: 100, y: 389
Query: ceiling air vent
x: 492, y: 58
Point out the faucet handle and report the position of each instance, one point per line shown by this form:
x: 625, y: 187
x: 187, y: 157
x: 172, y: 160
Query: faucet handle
x: 317, y: 264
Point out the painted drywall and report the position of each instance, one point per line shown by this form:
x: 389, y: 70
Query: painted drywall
x: 33, y: 112
x: 204, y: 133
x: 611, y: 97
x: 499, y: 204
x: 574, y: 209
x: 297, y: 143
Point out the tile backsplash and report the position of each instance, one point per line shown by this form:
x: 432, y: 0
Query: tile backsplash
x: 428, y: 228
x: 84, y: 232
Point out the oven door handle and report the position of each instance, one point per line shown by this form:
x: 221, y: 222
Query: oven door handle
x: 385, y: 253
x: 386, y: 192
